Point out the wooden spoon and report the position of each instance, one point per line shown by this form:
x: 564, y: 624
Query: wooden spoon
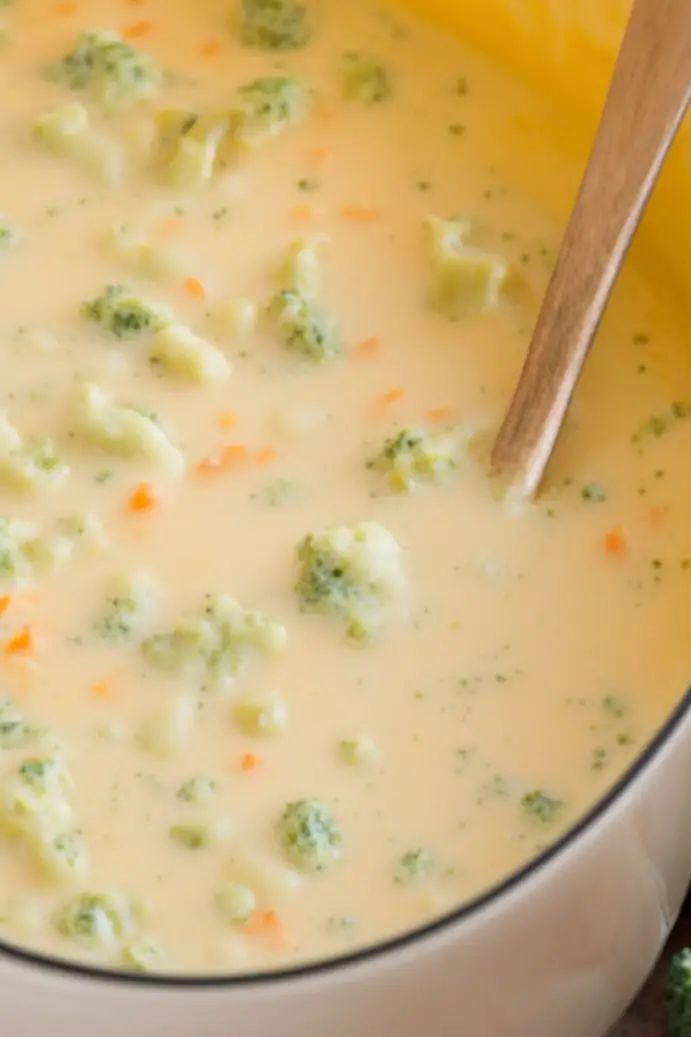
x: 648, y: 96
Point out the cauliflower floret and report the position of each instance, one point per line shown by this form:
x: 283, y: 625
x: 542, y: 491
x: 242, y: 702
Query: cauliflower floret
x: 302, y: 270
x: 125, y: 315
x: 355, y: 573
x: 218, y: 644
x: 35, y: 808
x: 418, y: 455
x: 123, y: 431
x: 261, y: 716
x: 190, y: 145
x: 311, y: 838
x: 304, y: 327
x: 364, y: 78
x: 464, y: 279
x: 275, y: 24
x: 185, y: 355
x: 67, y: 131
x: 111, y: 70
x: 267, y: 107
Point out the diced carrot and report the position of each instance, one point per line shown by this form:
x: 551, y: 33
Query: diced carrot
x: 440, y: 414
x: 318, y: 156
x: 263, y: 923
x: 227, y: 419
x: 391, y: 396
x: 304, y: 213
x: 168, y: 227
x: 249, y: 763
x: 5, y: 602
x: 195, y: 288
x: 143, y: 498
x: 102, y: 690
x: 211, y: 49
x: 359, y: 213
x: 367, y: 348
x: 616, y: 542
x: 223, y: 460
x: 266, y: 455
x: 137, y: 30
x: 21, y: 644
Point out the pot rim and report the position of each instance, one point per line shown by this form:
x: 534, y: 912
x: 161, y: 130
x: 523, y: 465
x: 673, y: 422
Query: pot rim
x: 406, y: 940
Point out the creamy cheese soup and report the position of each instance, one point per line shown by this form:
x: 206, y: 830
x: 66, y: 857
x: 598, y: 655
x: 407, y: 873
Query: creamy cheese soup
x: 282, y: 673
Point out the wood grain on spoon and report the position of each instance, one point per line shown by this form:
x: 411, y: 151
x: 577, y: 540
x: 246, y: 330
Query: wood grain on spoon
x: 648, y: 96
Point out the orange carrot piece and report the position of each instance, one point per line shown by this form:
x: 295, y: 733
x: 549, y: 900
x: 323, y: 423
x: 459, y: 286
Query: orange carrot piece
x: 143, y: 498
x: 223, y: 460
x: 616, y: 543
x: 137, y: 30
x: 266, y: 455
x: 22, y: 643
x: 249, y: 763
x: 211, y: 49
x: 5, y: 602
x: 227, y: 419
x: 392, y: 396
x: 367, y: 348
x: 102, y: 690
x: 318, y: 156
x: 359, y: 213
x: 195, y: 288
x: 263, y: 923
x: 439, y: 414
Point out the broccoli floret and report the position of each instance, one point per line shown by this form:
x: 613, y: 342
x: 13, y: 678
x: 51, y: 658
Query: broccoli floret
x: 311, y: 837
x: 28, y: 466
x: 414, y: 866
x: 182, y: 354
x: 359, y: 751
x: 464, y: 279
x: 14, y: 729
x: 192, y: 837
x: 97, y: 920
x: 127, y: 608
x: 8, y: 236
x: 304, y: 327
x: 268, y: 106
x: 125, y: 315
x: 678, y: 995
x: 197, y: 790
x: 541, y: 806
x: 143, y: 956
x: 275, y: 24
x: 15, y: 543
x: 417, y: 455
x: 218, y: 644
x: 111, y: 70
x: 355, y: 573
x: 261, y: 716
x: 236, y: 902
x: 364, y: 78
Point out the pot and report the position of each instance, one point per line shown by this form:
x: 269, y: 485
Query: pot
x: 557, y: 950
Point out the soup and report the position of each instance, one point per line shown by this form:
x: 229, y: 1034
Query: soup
x: 283, y: 673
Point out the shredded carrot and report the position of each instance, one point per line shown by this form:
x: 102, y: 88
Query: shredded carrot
x: 439, y: 414
x: 211, y: 49
x: 616, y: 542
x: 266, y: 455
x: 137, y: 30
x: 143, y: 498
x: 102, y: 690
x: 21, y: 644
x: 359, y: 213
x: 249, y: 763
x: 227, y: 419
x: 67, y: 7
x: 168, y: 227
x: 195, y: 288
x: 367, y: 348
x: 318, y: 156
x: 391, y: 396
x: 304, y: 213
x: 223, y: 460
x: 263, y: 923
x: 5, y: 602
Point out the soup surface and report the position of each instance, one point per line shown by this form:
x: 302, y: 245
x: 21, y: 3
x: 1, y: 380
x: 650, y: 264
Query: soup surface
x: 281, y: 673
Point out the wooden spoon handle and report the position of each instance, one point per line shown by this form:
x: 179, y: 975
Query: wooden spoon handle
x: 648, y: 96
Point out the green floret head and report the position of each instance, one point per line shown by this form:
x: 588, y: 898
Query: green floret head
x: 541, y: 806
x: 305, y: 328
x: 414, y: 866
x: 275, y: 24
x: 8, y: 236
x: 111, y: 70
x: 311, y: 837
x: 678, y: 995
x: 364, y: 78
x: 14, y: 547
x: 355, y: 573
x: 124, y: 315
x: 268, y: 106
x: 418, y: 455
x: 14, y: 729
x: 97, y: 920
